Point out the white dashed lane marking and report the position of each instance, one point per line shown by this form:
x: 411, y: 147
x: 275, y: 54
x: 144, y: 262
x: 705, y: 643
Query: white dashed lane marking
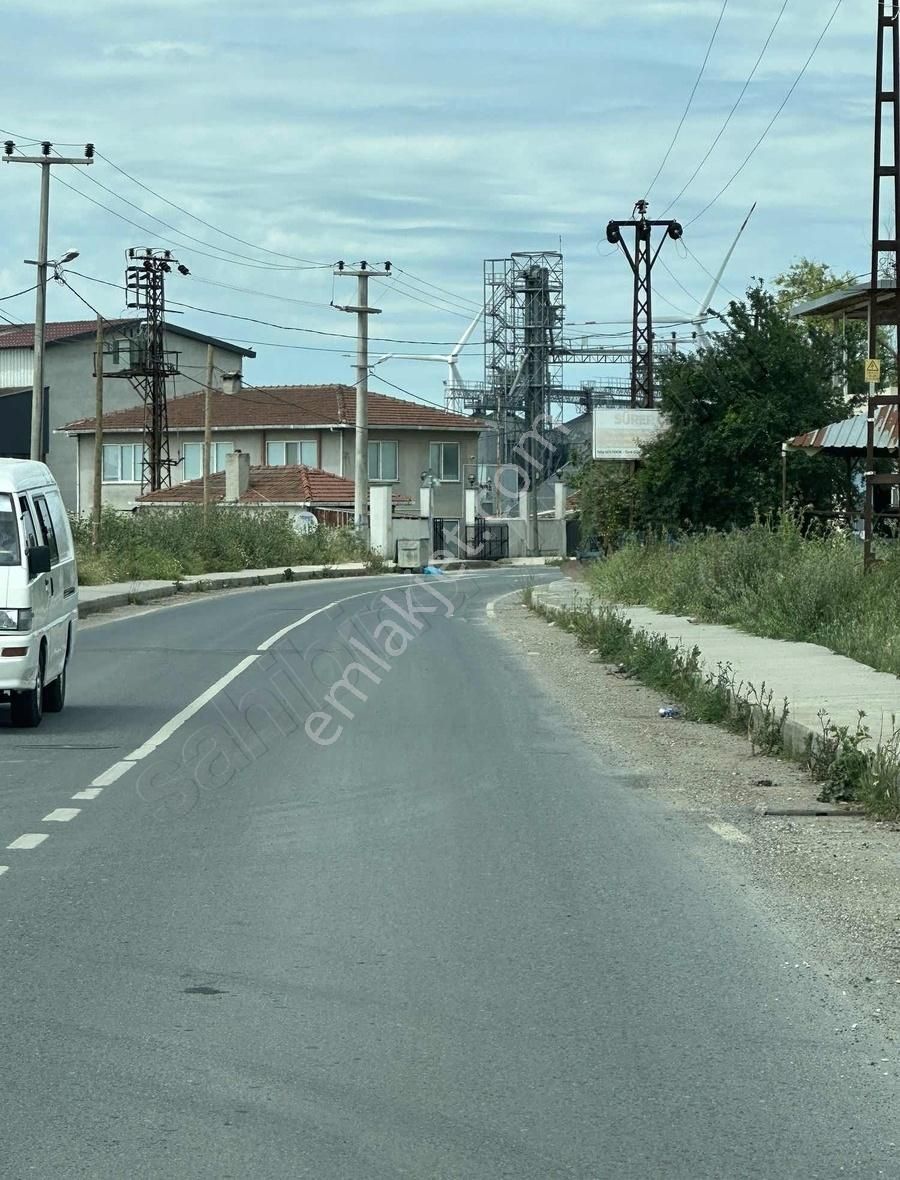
x: 61, y: 815
x: 29, y: 840
x: 4, y: 869
x: 108, y: 777
x: 88, y: 793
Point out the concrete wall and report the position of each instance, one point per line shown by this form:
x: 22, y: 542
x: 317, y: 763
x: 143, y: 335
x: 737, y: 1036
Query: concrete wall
x: 69, y: 374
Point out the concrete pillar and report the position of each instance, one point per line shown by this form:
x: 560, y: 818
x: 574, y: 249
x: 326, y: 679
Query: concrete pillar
x: 473, y: 498
x: 381, y: 532
x: 560, y: 495
x: 523, y: 505
x: 425, y: 502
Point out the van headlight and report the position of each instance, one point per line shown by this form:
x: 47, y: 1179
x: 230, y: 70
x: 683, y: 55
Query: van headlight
x: 16, y: 620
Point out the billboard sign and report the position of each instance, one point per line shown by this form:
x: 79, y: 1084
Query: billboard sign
x: 620, y: 434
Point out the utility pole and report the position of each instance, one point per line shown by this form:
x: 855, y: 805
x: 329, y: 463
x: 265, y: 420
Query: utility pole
x: 641, y: 263
x: 885, y: 251
x: 362, y: 273
x: 97, y: 507
x: 207, y: 429
x: 151, y: 364
x: 46, y: 161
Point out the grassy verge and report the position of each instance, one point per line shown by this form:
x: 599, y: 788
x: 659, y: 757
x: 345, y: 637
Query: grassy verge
x: 771, y: 580
x: 172, y: 545
x: 848, y: 764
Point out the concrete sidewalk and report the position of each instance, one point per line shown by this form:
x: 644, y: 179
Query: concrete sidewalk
x: 811, y: 677
x: 93, y: 600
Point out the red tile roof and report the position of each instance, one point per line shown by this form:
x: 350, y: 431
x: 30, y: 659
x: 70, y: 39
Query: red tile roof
x: 270, y: 485
x: 297, y: 406
x: 22, y: 335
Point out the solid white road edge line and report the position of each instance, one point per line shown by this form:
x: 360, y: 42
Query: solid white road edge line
x: 61, y: 815
x: 29, y: 840
x: 490, y: 609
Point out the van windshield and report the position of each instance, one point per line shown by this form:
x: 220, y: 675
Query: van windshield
x: 9, y: 532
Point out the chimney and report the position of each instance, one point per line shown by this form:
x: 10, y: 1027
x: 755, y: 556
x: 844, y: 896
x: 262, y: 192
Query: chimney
x: 232, y: 382
x: 237, y: 476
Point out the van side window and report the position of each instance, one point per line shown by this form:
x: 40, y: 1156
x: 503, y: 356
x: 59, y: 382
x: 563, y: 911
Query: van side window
x: 28, y: 528
x: 60, y: 522
x: 46, y: 526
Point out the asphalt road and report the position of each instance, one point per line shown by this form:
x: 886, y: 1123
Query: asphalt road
x: 416, y: 930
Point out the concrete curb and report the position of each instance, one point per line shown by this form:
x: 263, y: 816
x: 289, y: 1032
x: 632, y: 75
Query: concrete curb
x: 796, y: 736
x: 140, y: 595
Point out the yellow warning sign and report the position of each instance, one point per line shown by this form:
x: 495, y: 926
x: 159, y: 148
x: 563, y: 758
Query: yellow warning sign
x: 873, y: 370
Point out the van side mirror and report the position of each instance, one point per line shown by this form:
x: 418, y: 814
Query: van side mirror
x: 38, y: 561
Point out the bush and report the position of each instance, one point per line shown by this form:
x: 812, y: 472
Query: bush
x: 172, y: 544
x: 772, y: 579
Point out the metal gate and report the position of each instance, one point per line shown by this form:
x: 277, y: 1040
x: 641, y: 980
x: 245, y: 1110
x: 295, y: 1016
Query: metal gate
x: 487, y: 540
x: 444, y: 538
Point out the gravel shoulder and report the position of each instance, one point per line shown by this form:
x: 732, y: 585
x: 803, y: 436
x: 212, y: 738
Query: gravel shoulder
x: 835, y: 879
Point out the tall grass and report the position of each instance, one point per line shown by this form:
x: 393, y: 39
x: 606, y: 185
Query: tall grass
x: 771, y: 579
x: 169, y: 545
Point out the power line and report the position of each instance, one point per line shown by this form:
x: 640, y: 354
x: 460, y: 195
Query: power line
x: 152, y: 234
x: 734, y: 108
x: 772, y: 121
x: 181, y: 233
x: 209, y: 225
x: 411, y: 293
x: 675, y: 279
x: 16, y: 294
x: 280, y: 327
x: 690, y: 100
x: 237, y: 339
x: 425, y: 283
x: 708, y: 272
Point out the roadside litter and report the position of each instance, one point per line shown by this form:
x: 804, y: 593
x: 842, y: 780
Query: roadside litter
x: 669, y: 711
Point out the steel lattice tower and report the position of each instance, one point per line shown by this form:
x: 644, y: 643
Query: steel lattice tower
x: 151, y: 365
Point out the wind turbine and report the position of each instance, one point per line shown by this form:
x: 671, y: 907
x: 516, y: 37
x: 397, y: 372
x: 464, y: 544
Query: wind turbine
x: 454, y: 379
x: 702, y: 315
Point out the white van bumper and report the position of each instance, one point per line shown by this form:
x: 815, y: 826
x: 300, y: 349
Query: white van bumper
x: 18, y: 661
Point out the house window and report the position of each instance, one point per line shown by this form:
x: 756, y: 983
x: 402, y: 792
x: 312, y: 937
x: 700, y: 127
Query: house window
x: 292, y: 454
x: 443, y: 459
x: 192, y: 458
x: 121, y: 462
x: 383, y: 461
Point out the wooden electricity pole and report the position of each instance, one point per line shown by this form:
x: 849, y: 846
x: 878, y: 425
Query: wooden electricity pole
x: 97, y: 508
x: 207, y: 429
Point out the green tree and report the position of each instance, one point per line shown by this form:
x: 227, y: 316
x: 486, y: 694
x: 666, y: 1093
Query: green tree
x: 607, y: 501
x: 729, y: 407
x: 805, y: 280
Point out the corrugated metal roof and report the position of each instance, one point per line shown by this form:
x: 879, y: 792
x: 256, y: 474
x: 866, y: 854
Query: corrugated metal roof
x: 850, y: 434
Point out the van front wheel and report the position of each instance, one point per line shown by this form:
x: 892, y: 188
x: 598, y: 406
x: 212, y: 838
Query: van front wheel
x: 27, y: 708
x: 55, y: 693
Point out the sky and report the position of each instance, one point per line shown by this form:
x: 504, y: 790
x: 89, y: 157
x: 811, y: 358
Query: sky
x: 434, y: 134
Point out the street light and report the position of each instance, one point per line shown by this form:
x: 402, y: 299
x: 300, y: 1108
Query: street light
x: 39, y: 398
x: 46, y: 160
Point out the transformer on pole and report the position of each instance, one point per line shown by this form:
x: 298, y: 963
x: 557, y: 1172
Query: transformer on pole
x: 150, y: 364
x: 641, y: 263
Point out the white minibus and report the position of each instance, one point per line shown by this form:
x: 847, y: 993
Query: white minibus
x: 38, y: 591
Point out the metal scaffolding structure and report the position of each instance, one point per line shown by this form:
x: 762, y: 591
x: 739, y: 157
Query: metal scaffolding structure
x: 149, y: 364
x: 523, y: 316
